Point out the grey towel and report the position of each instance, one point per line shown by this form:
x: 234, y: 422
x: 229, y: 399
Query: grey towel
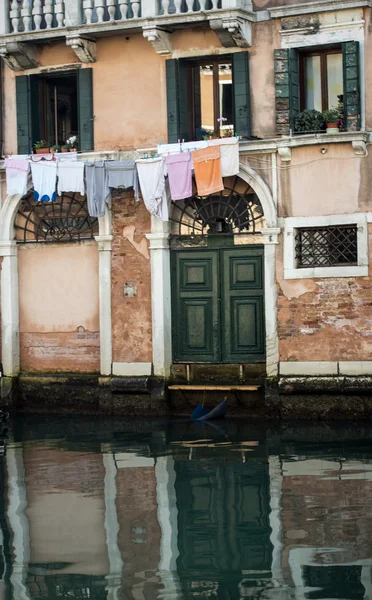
x: 98, y: 191
x: 122, y: 174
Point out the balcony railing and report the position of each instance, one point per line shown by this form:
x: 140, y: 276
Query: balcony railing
x: 38, y: 15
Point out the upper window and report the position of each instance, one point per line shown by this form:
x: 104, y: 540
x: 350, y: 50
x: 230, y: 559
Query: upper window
x: 208, y: 97
x: 54, y: 107
x: 321, y: 79
x: 211, y: 99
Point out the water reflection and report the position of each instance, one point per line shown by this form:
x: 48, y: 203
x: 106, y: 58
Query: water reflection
x: 145, y: 510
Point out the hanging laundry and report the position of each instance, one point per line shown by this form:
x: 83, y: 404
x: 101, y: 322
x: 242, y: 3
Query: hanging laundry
x: 122, y: 174
x: 71, y: 177
x: 16, y: 176
x: 229, y: 149
x: 41, y: 157
x: 65, y: 156
x: 176, y: 148
x: 98, y: 191
x: 151, y: 173
x: 179, y: 175
x: 207, y: 169
x: 44, y: 177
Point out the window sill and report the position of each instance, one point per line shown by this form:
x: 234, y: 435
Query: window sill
x: 310, y: 139
x: 323, y: 272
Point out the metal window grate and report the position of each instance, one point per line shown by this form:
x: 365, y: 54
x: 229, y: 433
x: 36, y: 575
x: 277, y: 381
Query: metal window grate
x: 326, y: 246
x: 66, y: 220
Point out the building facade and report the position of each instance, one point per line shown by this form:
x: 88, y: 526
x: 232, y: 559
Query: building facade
x: 269, y: 278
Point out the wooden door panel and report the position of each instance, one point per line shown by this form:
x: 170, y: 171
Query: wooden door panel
x: 242, y: 305
x: 196, y: 306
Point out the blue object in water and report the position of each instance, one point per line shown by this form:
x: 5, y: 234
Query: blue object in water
x: 216, y: 413
x: 199, y: 411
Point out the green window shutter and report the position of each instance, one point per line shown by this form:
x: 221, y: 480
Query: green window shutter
x: 242, y: 108
x: 352, y: 107
x: 86, y: 116
x: 27, y: 106
x: 177, y: 100
x: 287, y: 94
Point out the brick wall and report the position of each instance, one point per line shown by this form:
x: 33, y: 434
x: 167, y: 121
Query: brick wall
x: 325, y: 319
x: 131, y: 316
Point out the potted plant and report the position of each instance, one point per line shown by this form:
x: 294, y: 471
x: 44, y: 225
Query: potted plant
x: 42, y: 147
x: 332, y: 119
x: 55, y: 148
x: 65, y: 148
x: 72, y: 142
x: 309, y: 121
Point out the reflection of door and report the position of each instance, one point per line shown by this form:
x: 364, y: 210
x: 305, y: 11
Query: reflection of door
x: 218, y: 305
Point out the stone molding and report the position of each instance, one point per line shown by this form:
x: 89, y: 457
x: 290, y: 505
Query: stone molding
x: 159, y: 39
x: 232, y: 31
x: 84, y: 49
x: 271, y: 235
x: 131, y: 369
x: 322, y: 368
x: 293, y: 10
x: 18, y: 56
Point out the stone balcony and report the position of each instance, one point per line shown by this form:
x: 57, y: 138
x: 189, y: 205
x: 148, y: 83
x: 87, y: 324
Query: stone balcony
x: 81, y: 22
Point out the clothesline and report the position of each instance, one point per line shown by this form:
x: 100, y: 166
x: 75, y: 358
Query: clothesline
x: 211, y: 160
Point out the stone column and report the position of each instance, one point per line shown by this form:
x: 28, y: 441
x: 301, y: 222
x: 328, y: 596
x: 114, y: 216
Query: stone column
x: 112, y: 527
x: 4, y: 17
x: 17, y: 503
x: 104, y: 249
x: 9, y: 308
x: 73, y: 13
x: 161, y: 298
x: 271, y: 302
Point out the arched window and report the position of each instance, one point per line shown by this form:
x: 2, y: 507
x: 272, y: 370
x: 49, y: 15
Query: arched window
x: 234, y: 210
x: 66, y: 220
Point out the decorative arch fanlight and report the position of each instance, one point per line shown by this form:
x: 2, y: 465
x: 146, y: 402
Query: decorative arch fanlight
x: 66, y: 220
x: 234, y: 210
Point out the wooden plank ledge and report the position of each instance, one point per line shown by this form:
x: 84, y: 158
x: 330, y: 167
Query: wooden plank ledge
x: 216, y: 388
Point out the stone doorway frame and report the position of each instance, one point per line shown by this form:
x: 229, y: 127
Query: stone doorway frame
x: 9, y: 291
x: 161, y: 282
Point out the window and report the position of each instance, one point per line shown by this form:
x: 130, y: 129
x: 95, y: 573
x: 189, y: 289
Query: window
x: 326, y: 246
x: 208, y: 95
x: 53, y: 107
x: 321, y: 79
x: 316, y: 79
x: 58, y: 107
x: 211, y: 88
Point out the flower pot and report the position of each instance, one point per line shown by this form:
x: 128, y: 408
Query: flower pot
x: 42, y: 150
x: 332, y: 128
x: 65, y: 149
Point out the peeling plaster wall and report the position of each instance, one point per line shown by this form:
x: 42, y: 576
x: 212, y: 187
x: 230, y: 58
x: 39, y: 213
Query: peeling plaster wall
x: 59, y: 309
x: 131, y: 316
x: 325, y: 319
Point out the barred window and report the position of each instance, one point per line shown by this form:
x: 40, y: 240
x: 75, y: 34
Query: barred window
x: 326, y: 246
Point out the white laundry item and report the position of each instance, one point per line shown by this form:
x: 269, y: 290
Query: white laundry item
x: 44, y: 178
x: 177, y: 148
x: 70, y: 177
x: 16, y: 176
x: 65, y: 156
x: 151, y: 174
x: 229, y: 149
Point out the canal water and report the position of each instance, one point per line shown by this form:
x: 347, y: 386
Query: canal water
x: 140, y: 510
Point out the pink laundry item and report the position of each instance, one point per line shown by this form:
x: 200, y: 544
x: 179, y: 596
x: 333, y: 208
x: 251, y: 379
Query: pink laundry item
x: 16, y: 176
x: 179, y: 175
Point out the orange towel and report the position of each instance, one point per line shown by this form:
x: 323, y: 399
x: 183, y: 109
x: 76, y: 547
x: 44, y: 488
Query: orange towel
x: 207, y: 169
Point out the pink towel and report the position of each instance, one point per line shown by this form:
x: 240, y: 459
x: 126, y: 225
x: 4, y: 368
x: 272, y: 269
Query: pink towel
x: 20, y: 165
x: 179, y: 175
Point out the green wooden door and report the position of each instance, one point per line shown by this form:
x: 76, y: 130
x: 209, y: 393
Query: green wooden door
x: 218, y: 305
x: 196, y: 330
